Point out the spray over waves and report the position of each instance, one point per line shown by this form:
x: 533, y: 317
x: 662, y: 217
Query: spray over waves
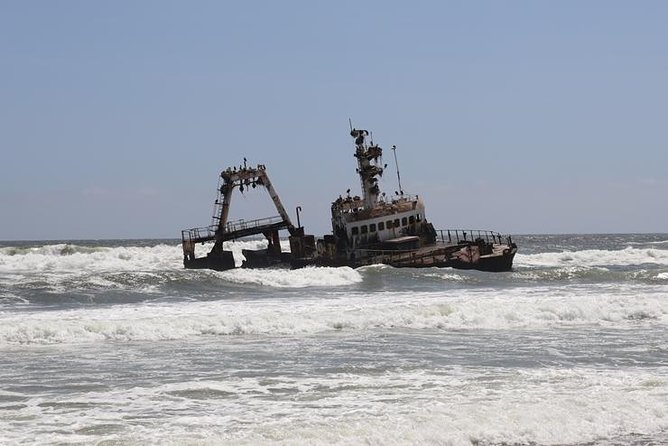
x: 68, y: 273
x: 75, y: 258
x: 66, y: 257
x: 625, y: 266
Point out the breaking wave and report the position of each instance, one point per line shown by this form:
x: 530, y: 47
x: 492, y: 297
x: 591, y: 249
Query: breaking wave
x: 74, y: 273
x: 535, y: 308
x: 68, y: 258
x: 72, y: 257
x: 594, y: 257
x: 300, y: 278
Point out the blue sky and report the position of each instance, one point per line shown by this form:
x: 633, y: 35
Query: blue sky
x: 524, y: 117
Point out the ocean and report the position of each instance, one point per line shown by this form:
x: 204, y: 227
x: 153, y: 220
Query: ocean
x: 114, y: 343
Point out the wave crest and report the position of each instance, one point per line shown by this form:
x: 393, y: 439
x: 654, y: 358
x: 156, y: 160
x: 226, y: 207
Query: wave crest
x: 594, y: 257
x: 538, y: 308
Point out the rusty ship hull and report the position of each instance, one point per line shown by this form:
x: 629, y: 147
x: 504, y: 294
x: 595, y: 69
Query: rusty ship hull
x: 440, y: 254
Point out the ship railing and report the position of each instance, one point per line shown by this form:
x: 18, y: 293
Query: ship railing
x: 402, y: 197
x: 198, y: 234
x: 239, y: 225
x: 459, y: 236
x: 208, y: 233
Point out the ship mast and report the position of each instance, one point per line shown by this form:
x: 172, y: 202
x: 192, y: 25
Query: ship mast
x: 396, y: 163
x: 368, y: 166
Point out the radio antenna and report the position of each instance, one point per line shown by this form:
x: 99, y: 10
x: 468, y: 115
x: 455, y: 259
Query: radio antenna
x: 394, y: 150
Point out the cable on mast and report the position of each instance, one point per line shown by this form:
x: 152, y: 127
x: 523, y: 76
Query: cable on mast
x: 394, y: 150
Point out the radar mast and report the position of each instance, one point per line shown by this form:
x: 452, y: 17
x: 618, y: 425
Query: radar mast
x: 369, y: 161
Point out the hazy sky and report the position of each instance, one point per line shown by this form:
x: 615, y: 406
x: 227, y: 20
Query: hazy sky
x: 520, y: 116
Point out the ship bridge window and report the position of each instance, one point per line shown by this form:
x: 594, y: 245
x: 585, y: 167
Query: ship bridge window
x: 364, y: 229
x: 389, y: 224
x: 404, y: 221
x: 418, y: 217
x: 411, y: 219
x: 355, y: 230
x: 381, y: 226
x: 396, y: 223
x: 372, y: 227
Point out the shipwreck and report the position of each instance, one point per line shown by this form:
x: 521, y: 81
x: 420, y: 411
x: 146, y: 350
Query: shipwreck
x: 367, y: 229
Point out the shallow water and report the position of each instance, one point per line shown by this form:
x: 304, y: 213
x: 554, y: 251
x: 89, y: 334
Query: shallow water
x: 113, y: 342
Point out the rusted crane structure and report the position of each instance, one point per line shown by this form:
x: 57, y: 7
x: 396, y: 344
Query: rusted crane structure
x: 221, y: 230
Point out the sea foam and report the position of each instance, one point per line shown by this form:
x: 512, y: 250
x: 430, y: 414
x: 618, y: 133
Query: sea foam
x: 69, y: 258
x: 593, y: 257
x: 72, y: 257
x: 475, y: 406
x: 299, y: 278
x: 533, y: 308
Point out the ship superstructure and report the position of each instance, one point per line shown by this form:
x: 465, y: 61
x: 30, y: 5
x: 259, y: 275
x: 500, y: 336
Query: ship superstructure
x: 373, y: 219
